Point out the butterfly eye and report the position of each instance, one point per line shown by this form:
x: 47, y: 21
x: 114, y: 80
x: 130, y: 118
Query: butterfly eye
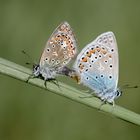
x: 119, y: 93
x: 36, y: 67
x: 110, y: 66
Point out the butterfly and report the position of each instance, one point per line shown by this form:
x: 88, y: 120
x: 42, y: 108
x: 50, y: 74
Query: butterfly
x: 58, y: 52
x: 97, y: 67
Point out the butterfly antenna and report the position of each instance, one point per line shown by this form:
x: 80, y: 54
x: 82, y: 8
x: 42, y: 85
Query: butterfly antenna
x: 31, y: 60
x: 127, y: 86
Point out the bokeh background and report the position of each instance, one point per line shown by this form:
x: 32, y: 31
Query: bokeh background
x: 29, y: 113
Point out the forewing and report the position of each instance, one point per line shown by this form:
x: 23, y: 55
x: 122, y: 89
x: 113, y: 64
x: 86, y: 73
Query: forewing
x: 60, y: 48
x: 97, y: 64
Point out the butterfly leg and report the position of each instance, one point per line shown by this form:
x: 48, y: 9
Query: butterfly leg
x: 105, y: 101
x: 90, y: 95
x: 53, y: 80
x: 30, y: 77
x: 56, y: 83
x: 87, y: 91
x: 102, y: 103
x: 45, y: 83
x: 113, y: 103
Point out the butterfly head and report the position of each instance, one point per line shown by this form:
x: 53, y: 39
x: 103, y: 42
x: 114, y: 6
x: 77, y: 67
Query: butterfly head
x: 36, y: 69
x: 118, y: 93
x: 111, y: 96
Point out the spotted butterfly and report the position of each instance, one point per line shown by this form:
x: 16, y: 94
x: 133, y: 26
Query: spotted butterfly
x: 97, y: 67
x: 59, y: 50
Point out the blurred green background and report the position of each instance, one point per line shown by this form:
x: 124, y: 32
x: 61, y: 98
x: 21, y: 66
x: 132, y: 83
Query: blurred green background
x: 29, y: 113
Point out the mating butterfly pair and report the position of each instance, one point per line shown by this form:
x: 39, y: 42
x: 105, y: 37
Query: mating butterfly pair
x: 96, y: 66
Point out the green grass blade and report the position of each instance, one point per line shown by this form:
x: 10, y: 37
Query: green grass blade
x: 21, y: 73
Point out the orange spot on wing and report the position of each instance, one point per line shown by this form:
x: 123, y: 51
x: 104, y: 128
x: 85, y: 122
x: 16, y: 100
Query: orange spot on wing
x: 98, y: 49
x: 84, y: 59
x: 88, y: 54
x: 104, y: 52
x: 92, y: 51
x: 81, y: 67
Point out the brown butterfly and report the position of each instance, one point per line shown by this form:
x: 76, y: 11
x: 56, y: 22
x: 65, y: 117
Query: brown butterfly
x: 58, y: 52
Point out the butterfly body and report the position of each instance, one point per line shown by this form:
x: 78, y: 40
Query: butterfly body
x: 44, y: 72
x: 59, y: 50
x: 97, y: 67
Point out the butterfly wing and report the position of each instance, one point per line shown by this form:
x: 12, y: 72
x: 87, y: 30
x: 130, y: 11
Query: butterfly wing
x: 97, y: 64
x: 60, y: 48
